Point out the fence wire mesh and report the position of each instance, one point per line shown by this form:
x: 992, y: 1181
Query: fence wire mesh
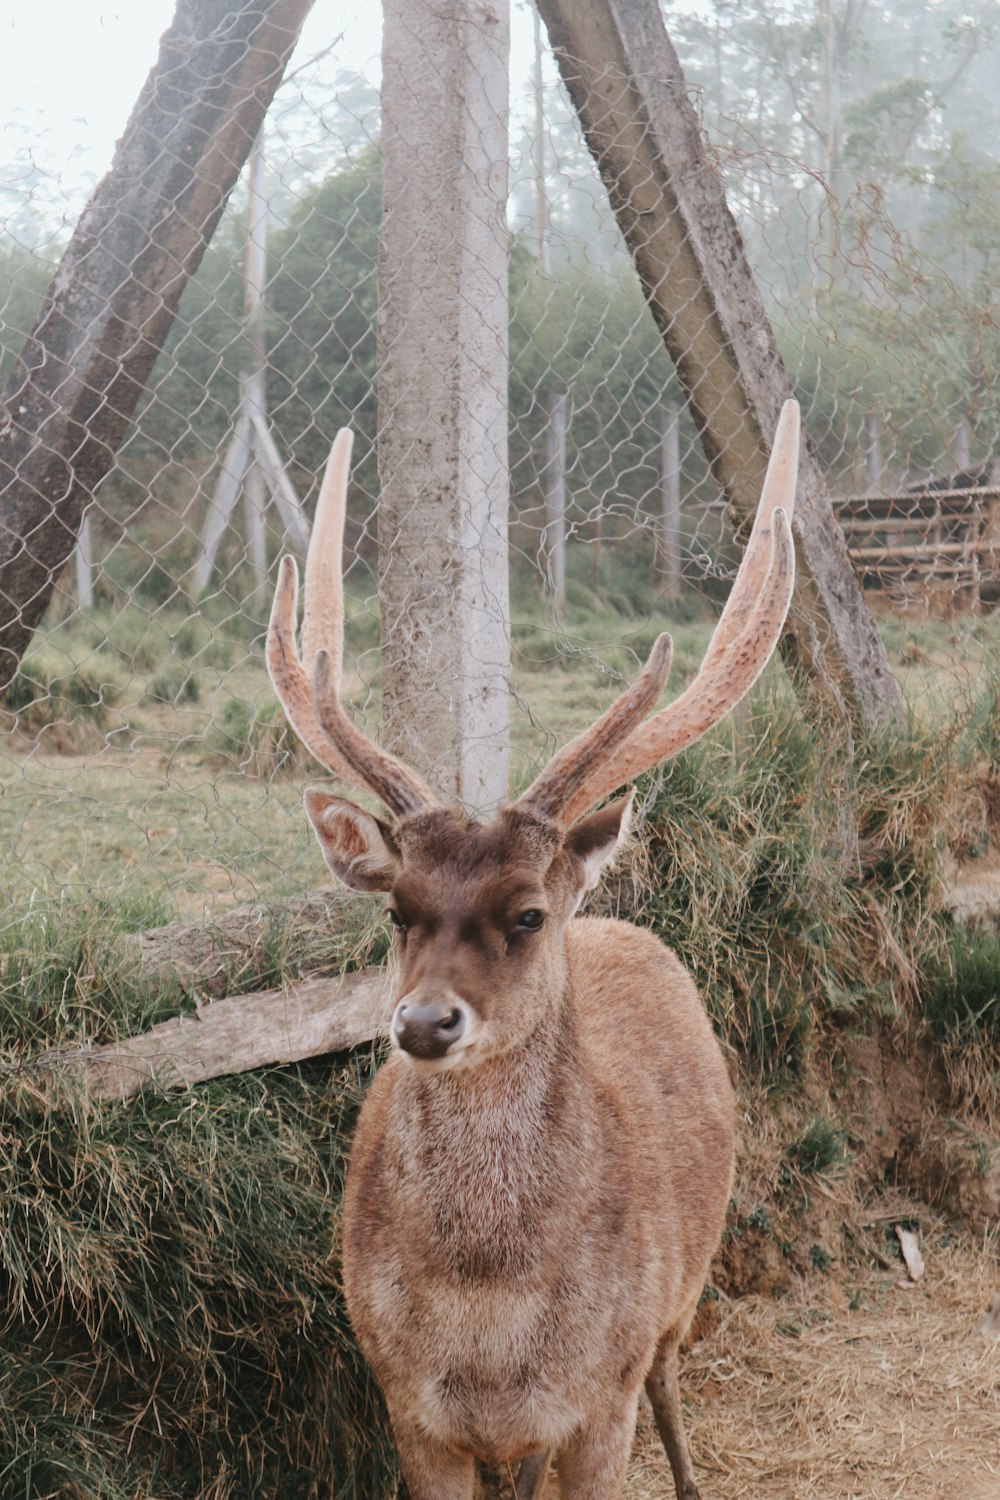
x: 145, y: 756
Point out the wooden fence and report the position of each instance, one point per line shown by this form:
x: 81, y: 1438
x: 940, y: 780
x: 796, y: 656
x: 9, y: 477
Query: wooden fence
x: 938, y: 546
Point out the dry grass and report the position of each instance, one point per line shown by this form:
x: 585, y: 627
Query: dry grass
x: 807, y: 1399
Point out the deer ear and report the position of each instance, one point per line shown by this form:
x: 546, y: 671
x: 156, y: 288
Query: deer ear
x: 596, y: 840
x: 359, y: 849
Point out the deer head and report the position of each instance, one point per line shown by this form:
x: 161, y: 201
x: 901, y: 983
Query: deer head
x: 479, y: 911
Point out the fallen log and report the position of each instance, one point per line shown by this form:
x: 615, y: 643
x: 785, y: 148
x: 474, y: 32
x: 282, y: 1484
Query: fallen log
x: 226, y: 953
x: 233, y: 1035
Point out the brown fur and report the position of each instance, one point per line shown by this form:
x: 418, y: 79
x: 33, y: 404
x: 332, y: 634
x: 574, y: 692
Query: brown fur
x: 540, y: 1175
x: 526, y: 1236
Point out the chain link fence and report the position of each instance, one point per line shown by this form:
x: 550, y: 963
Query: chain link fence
x: 144, y: 757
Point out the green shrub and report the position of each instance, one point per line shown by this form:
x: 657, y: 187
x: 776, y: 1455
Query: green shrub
x: 174, y: 683
x: 255, y: 736
x: 51, y: 688
x: 820, y: 1151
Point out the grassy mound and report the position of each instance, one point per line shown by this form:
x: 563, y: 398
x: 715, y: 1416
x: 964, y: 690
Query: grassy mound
x: 173, y: 1324
x: 800, y: 889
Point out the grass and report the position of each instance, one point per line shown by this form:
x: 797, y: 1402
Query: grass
x: 173, y: 1324
x: 888, y: 1393
x: 799, y: 890
x: 820, y: 1150
x: 961, y: 1004
x: 962, y: 997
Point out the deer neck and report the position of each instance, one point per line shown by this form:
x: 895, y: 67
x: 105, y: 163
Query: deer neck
x: 485, y: 1149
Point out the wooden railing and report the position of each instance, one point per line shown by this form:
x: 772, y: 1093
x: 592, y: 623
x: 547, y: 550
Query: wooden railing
x: 942, y: 546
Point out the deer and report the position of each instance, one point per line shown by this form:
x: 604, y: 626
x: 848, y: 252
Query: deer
x: 541, y: 1169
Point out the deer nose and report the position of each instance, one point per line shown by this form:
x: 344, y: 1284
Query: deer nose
x: 427, y: 1030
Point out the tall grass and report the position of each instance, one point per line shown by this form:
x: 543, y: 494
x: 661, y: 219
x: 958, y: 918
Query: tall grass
x: 798, y: 884
x: 172, y: 1320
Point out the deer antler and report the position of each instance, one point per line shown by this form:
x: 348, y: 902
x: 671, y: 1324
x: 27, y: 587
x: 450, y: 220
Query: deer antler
x: 746, y: 635
x: 321, y: 724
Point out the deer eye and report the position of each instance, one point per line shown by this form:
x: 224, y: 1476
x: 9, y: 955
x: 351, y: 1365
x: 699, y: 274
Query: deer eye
x: 396, y: 919
x: 530, y: 921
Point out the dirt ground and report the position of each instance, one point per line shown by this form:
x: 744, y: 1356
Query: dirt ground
x: 809, y: 1399
x: 890, y: 1391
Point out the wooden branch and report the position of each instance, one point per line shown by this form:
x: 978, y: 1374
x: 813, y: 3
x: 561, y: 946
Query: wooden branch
x: 212, y: 958
x: 236, y: 1035
x: 915, y: 552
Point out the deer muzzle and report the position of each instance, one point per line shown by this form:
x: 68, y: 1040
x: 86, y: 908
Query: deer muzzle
x: 430, y: 1030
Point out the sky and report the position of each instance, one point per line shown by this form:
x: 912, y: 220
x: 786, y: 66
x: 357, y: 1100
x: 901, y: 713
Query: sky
x: 70, y: 71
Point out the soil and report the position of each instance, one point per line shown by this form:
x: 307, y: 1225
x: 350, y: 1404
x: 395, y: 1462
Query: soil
x: 866, y: 1388
x: 817, y: 1369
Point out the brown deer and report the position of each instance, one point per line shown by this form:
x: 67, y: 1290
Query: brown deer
x: 541, y: 1170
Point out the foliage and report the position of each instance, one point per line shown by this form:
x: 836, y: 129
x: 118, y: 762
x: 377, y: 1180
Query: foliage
x: 256, y: 737
x: 52, y: 688
x: 961, y: 998
x: 819, y: 1151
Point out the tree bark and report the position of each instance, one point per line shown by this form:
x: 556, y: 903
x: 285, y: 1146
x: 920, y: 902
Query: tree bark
x: 111, y: 303
x: 235, y: 1035
x: 213, y: 958
x: 628, y: 88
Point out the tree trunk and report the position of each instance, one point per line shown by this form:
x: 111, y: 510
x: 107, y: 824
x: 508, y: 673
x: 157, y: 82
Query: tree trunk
x: 628, y: 89
x: 112, y: 301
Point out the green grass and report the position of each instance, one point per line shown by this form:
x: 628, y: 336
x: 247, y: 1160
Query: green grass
x: 962, y: 996
x: 961, y: 1005
x: 800, y: 890
x: 172, y: 1320
x: 173, y: 1325
x: 821, y: 1150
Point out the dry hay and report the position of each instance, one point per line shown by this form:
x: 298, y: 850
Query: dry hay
x: 806, y: 1399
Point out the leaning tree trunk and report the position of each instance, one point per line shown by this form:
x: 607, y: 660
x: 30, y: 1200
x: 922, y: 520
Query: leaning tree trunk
x: 112, y: 301
x: 626, y: 83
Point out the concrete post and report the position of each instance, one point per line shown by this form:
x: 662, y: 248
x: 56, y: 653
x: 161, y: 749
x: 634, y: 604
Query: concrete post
x: 555, y: 498
x: 442, y: 360
x: 671, y: 568
x: 85, y: 563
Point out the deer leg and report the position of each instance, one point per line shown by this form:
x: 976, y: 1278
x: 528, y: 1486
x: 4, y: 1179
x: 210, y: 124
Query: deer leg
x: 531, y: 1476
x: 593, y: 1463
x: 431, y: 1472
x: 665, y: 1399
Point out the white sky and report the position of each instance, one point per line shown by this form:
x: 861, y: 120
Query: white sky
x: 70, y: 71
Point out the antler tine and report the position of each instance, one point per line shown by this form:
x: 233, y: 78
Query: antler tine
x: 366, y: 766
x: 778, y: 491
x: 401, y: 789
x: 571, y: 767
x: 289, y: 676
x: 740, y: 647
x: 323, y: 614
x: 715, y: 691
